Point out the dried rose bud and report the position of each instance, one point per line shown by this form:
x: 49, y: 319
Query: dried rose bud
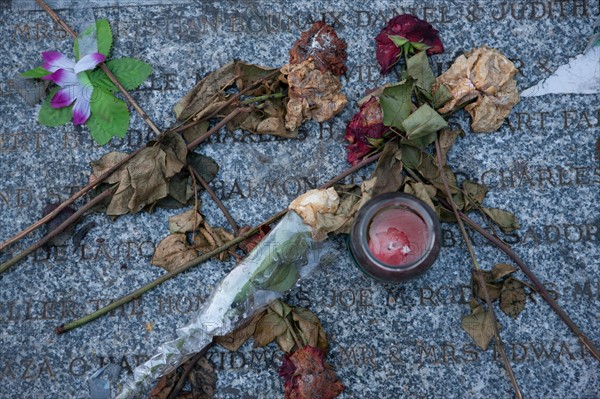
x: 366, y: 124
x: 323, y: 45
x: 251, y: 242
x: 410, y: 28
x: 307, y: 376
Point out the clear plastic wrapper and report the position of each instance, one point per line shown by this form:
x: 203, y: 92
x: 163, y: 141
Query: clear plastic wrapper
x: 287, y: 254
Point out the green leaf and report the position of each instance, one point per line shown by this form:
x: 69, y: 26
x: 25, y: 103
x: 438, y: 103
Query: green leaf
x: 419, y: 69
x: 101, y: 80
x: 441, y: 96
x: 49, y: 116
x: 398, y: 40
x: 395, y: 104
x: 411, y: 157
x: 420, y: 46
x: 283, y: 278
x: 423, y: 121
x: 110, y: 117
x: 130, y: 72
x: 37, y: 73
x: 104, y: 35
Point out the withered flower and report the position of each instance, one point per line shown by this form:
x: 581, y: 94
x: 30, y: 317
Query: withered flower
x: 312, y: 94
x: 366, y: 124
x: 405, y: 29
x: 322, y: 44
x: 487, y: 75
x: 307, y: 376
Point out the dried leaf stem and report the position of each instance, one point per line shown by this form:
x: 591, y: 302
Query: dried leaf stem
x: 480, y: 281
x: 38, y: 244
x: 187, y: 370
x: 534, y: 280
x: 216, y: 199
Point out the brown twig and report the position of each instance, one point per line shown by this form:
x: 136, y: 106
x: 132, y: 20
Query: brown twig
x: 217, y: 127
x: 481, y: 282
x: 534, y: 280
x: 187, y: 370
x: 351, y: 170
x: 6, y: 265
x: 216, y: 199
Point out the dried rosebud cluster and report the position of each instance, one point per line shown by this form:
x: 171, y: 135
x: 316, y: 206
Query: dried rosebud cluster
x: 417, y: 33
x: 307, y: 376
x: 317, y: 60
x: 323, y: 45
x: 366, y: 124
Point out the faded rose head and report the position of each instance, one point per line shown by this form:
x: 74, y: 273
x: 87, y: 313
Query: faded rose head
x: 413, y: 30
x: 366, y: 124
x: 307, y: 376
x: 322, y: 44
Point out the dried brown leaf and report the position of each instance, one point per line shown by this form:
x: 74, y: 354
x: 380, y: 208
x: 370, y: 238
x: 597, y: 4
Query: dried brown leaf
x: 185, y: 222
x: 106, y: 162
x: 310, y: 328
x: 388, y: 170
x: 501, y: 270
x: 312, y: 94
x: 475, y: 194
x: 203, y: 380
x: 204, y: 93
x: 235, y: 339
x: 424, y: 192
x: 447, y: 139
x: 480, y: 326
x: 164, y: 386
x: 268, y: 328
x: 173, y: 252
x: 512, y: 298
x: 505, y: 220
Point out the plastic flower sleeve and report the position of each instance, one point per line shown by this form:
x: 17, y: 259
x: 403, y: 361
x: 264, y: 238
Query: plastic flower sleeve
x: 287, y: 254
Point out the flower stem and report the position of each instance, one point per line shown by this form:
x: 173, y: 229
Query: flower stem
x: 165, y: 277
x: 137, y: 293
x: 262, y: 98
x: 216, y: 199
x: 481, y: 282
x: 62, y: 227
x: 534, y: 280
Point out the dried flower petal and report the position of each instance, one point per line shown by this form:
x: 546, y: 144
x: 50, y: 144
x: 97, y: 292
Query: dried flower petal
x: 322, y: 44
x: 485, y: 74
x: 366, y: 124
x: 312, y: 94
x: 408, y: 27
x: 307, y: 376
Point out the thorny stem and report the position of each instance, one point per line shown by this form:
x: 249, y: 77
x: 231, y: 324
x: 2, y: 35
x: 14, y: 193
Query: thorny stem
x: 534, y: 280
x: 137, y: 293
x: 216, y: 199
x: 165, y: 277
x: 72, y: 219
x: 488, y: 301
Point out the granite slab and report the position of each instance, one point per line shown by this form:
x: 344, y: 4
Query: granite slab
x: 386, y: 341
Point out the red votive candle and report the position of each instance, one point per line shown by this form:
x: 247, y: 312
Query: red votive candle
x: 395, y: 237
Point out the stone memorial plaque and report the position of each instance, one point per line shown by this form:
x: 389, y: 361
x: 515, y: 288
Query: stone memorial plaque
x: 386, y: 341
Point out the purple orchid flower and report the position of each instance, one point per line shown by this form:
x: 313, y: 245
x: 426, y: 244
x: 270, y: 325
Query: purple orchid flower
x: 75, y: 85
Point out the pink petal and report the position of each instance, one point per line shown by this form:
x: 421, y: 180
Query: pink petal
x: 55, y: 60
x: 62, y: 77
x: 89, y: 62
x: 65, y: 96
x: 81, y: 109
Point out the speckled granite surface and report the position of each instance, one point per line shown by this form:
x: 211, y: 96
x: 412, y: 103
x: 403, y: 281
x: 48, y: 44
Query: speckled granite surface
x: 386, y: 341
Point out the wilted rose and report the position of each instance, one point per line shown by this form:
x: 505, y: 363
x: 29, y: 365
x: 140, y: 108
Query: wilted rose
x: 408, y: 27
x: 366, y: 124
x: 307, y: 376
x: 322, y: 44
x: 486, y: 75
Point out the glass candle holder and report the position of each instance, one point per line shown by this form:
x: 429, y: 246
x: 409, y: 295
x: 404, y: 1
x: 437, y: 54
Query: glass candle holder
x: 395, y: 237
